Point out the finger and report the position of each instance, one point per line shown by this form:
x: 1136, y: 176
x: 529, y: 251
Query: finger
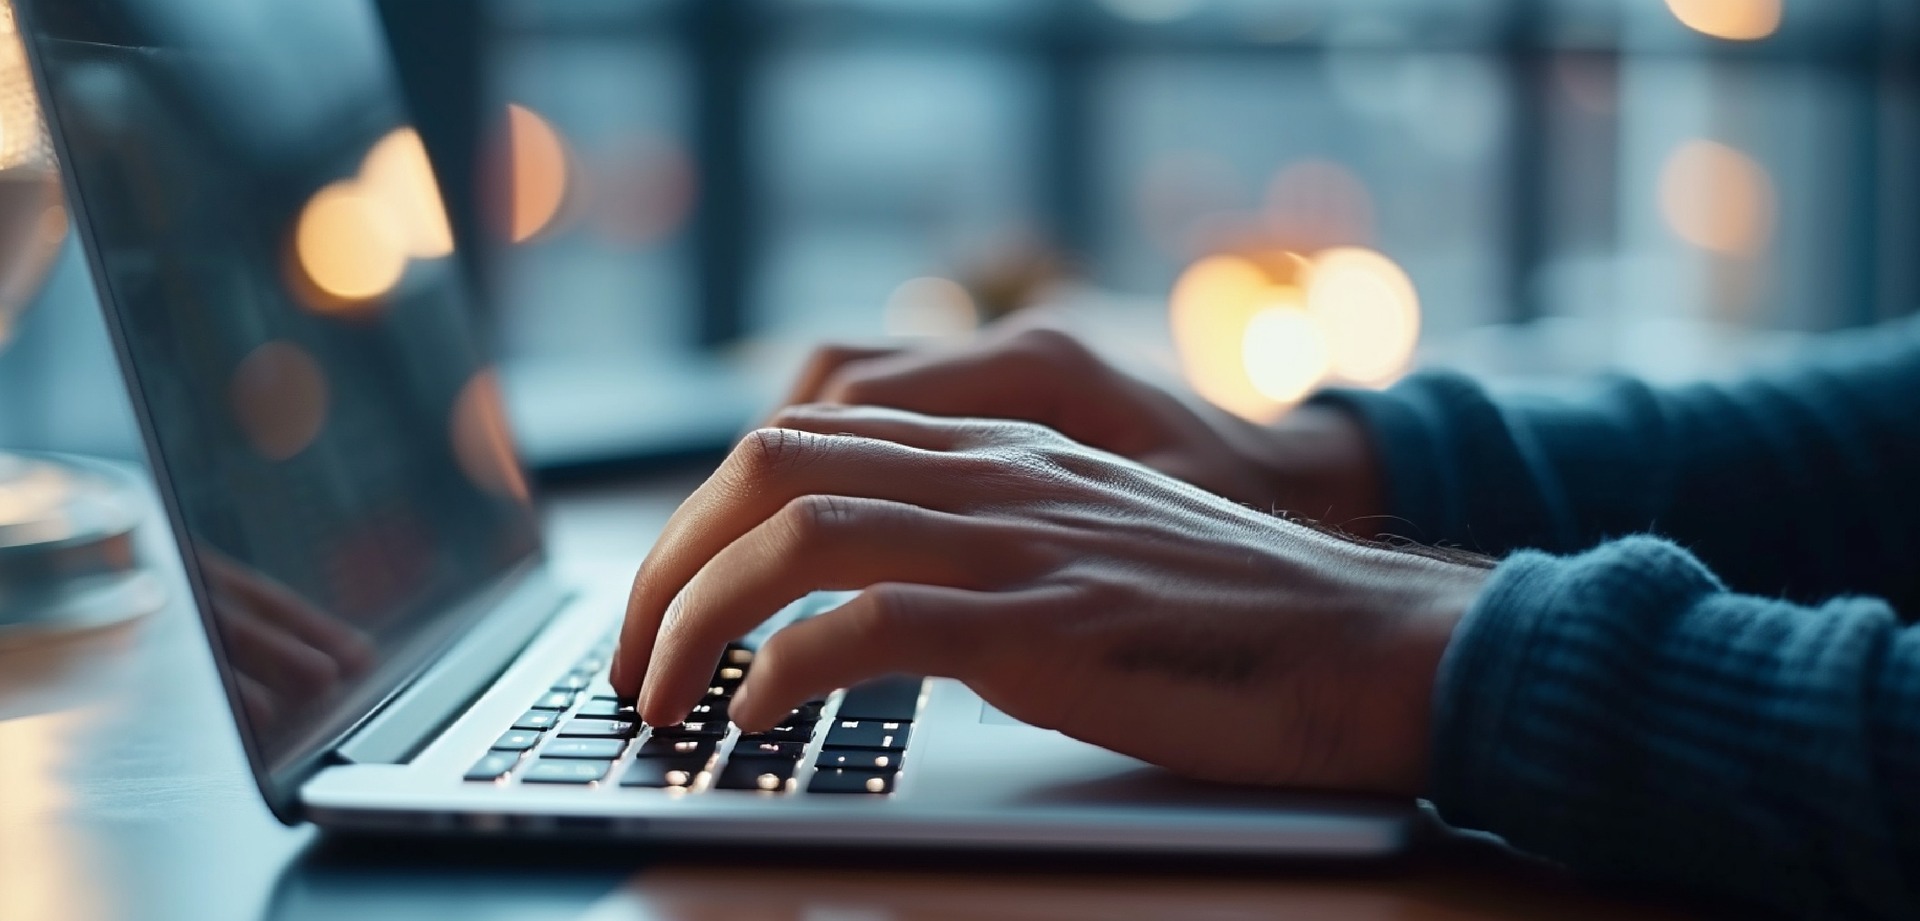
x: 902, y: 427
x: 888, y: 629
x: 817, y: 543
x: 826, y: 362
x: 771, y: 468
x: 979, y: 382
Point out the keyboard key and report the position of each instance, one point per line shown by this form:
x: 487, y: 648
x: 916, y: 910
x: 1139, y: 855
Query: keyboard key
x: 796, y: 733
x: 554, y: 700
x: 660, y: 773
x: 851, y: 781
x: 729, y: 676
x: 516, y: 740
x: 606, y: 708
x: 737, y: 655
x: 596, y: 749
x: 600, y: 729
x: 676, y: 748
x: 494, y: 766
x: 566, y: 770
x: 894, y: 700
x: 859, y: 759
x: 869, y: 734
x: 770, y: 749
x: 691, y: 731
x: 537, y: 720
x: 808, y: 712
x: 773, y: 775
x: 710, y: 710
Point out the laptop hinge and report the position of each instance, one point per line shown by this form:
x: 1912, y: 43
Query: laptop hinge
x: 415, y: 716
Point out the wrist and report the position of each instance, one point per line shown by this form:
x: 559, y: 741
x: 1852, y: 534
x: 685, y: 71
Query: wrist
x: 1323, y: 467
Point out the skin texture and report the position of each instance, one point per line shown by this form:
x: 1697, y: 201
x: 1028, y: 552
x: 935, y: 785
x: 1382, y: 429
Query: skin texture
x: 1070, y: 586
x: 1316, y: 462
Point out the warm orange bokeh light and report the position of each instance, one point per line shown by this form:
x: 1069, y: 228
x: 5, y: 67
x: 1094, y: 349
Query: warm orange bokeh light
x: 483, y: 441
x: 398, y: 173
x: 279, y: 397
x: 1213, y: 304
x: 1370, y: 312
x: 351, y: 246
x: 1718, y: 199
x: 1286, y: 354
x: 1733, y: 20
x: 1256, y: 336
x: 537, y: 171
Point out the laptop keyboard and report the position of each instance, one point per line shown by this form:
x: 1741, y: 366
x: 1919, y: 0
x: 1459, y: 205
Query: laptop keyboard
x: 580, y: 734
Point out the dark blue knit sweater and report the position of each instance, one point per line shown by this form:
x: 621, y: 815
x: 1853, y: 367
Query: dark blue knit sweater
x: 1732, y: 706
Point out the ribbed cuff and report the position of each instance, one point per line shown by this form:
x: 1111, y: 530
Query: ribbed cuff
x: 1532, y: 689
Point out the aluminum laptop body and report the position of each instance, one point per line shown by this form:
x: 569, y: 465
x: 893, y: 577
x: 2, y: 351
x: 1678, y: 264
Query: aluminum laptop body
x: 275, y: 267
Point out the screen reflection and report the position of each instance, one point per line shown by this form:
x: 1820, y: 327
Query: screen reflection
x: 277, y: 264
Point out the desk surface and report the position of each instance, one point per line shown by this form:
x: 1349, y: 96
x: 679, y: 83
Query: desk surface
x: 124, y: 794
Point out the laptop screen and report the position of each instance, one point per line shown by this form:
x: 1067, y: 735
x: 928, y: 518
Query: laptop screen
x: 277, y: 267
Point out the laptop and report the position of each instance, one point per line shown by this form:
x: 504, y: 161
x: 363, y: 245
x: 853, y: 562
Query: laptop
x: 328, y: 438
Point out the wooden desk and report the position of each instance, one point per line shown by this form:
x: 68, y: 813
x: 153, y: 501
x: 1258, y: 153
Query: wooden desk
x: 124, y: 794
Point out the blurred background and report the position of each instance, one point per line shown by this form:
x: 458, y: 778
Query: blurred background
x: 665, y: 203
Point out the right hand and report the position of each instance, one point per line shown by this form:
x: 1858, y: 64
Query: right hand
x: 1315, y: 463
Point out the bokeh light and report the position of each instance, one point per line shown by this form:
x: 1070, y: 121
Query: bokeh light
x: 536, y: 174
x: 931, y: 308
x: 1257, y: 334
x: 351, y: 246
x: 483, y: 442
x: 398, y: 172
x: 1733, y: 20
x: 1718, y: 199
x: 1213, y: 305
x: 280, y: 398
x: 1370, y: 312
x: 1285, y: 353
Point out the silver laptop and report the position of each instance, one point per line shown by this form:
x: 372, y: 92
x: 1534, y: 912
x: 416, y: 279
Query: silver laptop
x: 277, y: 272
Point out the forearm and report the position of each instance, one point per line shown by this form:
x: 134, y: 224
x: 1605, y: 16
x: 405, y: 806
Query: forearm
x: 1625, y: 714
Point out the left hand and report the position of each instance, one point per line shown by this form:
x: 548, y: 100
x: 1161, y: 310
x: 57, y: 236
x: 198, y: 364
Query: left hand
x: 1072, y: 589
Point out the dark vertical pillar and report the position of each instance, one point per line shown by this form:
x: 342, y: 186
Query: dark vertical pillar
x: 1069, y: 169
x: 1526, y: 65
x: 723, y: 44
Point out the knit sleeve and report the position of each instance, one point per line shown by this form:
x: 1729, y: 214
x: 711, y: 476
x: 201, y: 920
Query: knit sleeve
x: 1624, y: 713
x: 1797, y: 483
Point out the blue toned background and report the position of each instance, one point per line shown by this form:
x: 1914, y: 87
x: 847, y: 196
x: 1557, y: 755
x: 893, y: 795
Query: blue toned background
x: 667, y: 202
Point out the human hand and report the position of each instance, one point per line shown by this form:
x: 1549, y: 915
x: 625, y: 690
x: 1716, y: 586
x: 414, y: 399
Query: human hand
x: 1070, y: 588
x: 1316, y: 462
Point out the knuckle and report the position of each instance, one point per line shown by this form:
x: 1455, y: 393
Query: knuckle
x: 768, y: 452
x: 883, y: 613
x: 813, y: 518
